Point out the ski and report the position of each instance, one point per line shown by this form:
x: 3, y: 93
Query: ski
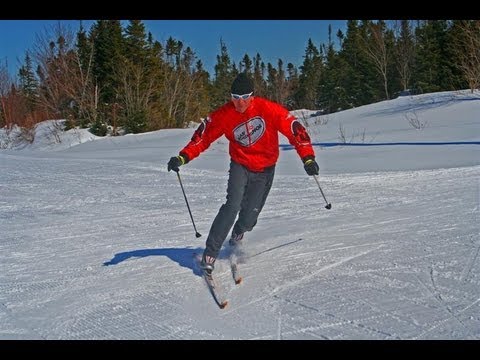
x: 222, y: 303
x: 237, y: 278
x: 211, y: 285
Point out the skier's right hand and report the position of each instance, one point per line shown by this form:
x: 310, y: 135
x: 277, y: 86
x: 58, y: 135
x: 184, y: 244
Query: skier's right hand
x: 310, y: 165
x: 175, y: 162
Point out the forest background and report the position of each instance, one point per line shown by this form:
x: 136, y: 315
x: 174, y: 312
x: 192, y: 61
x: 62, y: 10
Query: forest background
x: 117, y: 79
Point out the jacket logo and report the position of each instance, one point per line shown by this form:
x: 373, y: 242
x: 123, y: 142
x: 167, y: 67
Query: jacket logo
x: 249, y: 132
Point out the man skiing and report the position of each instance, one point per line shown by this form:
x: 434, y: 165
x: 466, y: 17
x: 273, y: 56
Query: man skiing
x: 251, y: 124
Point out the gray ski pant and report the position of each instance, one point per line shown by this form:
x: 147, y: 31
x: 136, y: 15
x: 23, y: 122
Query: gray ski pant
x: 247, y: 192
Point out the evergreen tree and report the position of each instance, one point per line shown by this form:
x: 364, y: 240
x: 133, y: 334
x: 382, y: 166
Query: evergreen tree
x: 332, y: 96
x: 310, y: 77
x: 363, y: 80
x: 350, y: 81
x: 277, y: 87
x: 224, y: 75
x: 173, y: 51
x: 108, y: 57
x: 428, y: 57
x: 272, y: 82
x: 292, y: 86
x: 190, y: 104
x: 84, y: 49
x: 281, y: 84
x: 246, y: 65
x: 452, y: 76
x: 28, y: 84
x: 259, y: 76
x: 202, y: 91
x: 135, y: 41
x: 188, y: 60
x: 137, y: 79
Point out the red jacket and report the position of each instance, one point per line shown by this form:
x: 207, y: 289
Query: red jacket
x: 253, y: 135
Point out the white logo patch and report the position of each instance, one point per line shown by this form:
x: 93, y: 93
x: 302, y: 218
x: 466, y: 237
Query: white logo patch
x: 249, y: 132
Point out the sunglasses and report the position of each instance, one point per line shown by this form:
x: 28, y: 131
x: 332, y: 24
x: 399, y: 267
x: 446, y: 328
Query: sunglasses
x: 244, y: 96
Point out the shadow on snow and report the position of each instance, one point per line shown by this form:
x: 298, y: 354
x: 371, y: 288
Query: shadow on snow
x: 182, y: 256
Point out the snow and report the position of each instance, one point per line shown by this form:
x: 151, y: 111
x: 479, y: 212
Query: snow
x: 97, y: 242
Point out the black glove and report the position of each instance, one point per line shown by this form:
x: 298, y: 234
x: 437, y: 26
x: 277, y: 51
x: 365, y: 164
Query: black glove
x: 310, y: 165
x: 177, y: 161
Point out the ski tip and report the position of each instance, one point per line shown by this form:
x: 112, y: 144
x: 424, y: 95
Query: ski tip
x: 223, y: 305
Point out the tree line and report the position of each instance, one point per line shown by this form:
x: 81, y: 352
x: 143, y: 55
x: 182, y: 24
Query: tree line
x: 111, y: 77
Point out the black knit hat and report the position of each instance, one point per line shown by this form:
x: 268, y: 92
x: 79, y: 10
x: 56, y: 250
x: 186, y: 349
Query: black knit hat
x: 242, y: 84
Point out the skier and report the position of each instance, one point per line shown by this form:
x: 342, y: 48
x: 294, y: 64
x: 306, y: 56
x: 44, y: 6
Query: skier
x: 251, y: 124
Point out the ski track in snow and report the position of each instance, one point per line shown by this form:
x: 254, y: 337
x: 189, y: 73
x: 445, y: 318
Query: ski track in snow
x: 404, y: 265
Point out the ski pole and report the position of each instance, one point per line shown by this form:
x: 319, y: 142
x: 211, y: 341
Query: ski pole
x: 197, y: 234
x: 328, y: 206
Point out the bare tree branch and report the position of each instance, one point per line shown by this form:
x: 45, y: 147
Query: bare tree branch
x: 375, y: 48
x: 468, y: 50
x: 65, y: 89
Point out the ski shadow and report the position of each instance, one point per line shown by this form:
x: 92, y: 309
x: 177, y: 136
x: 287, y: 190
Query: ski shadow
x: 182, y: 256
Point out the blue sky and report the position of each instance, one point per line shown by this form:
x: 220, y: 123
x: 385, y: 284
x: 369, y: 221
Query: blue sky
x: 272, y: 39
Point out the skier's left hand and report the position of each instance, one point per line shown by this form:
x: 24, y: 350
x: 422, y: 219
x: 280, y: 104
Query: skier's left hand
x: 175, y: 162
